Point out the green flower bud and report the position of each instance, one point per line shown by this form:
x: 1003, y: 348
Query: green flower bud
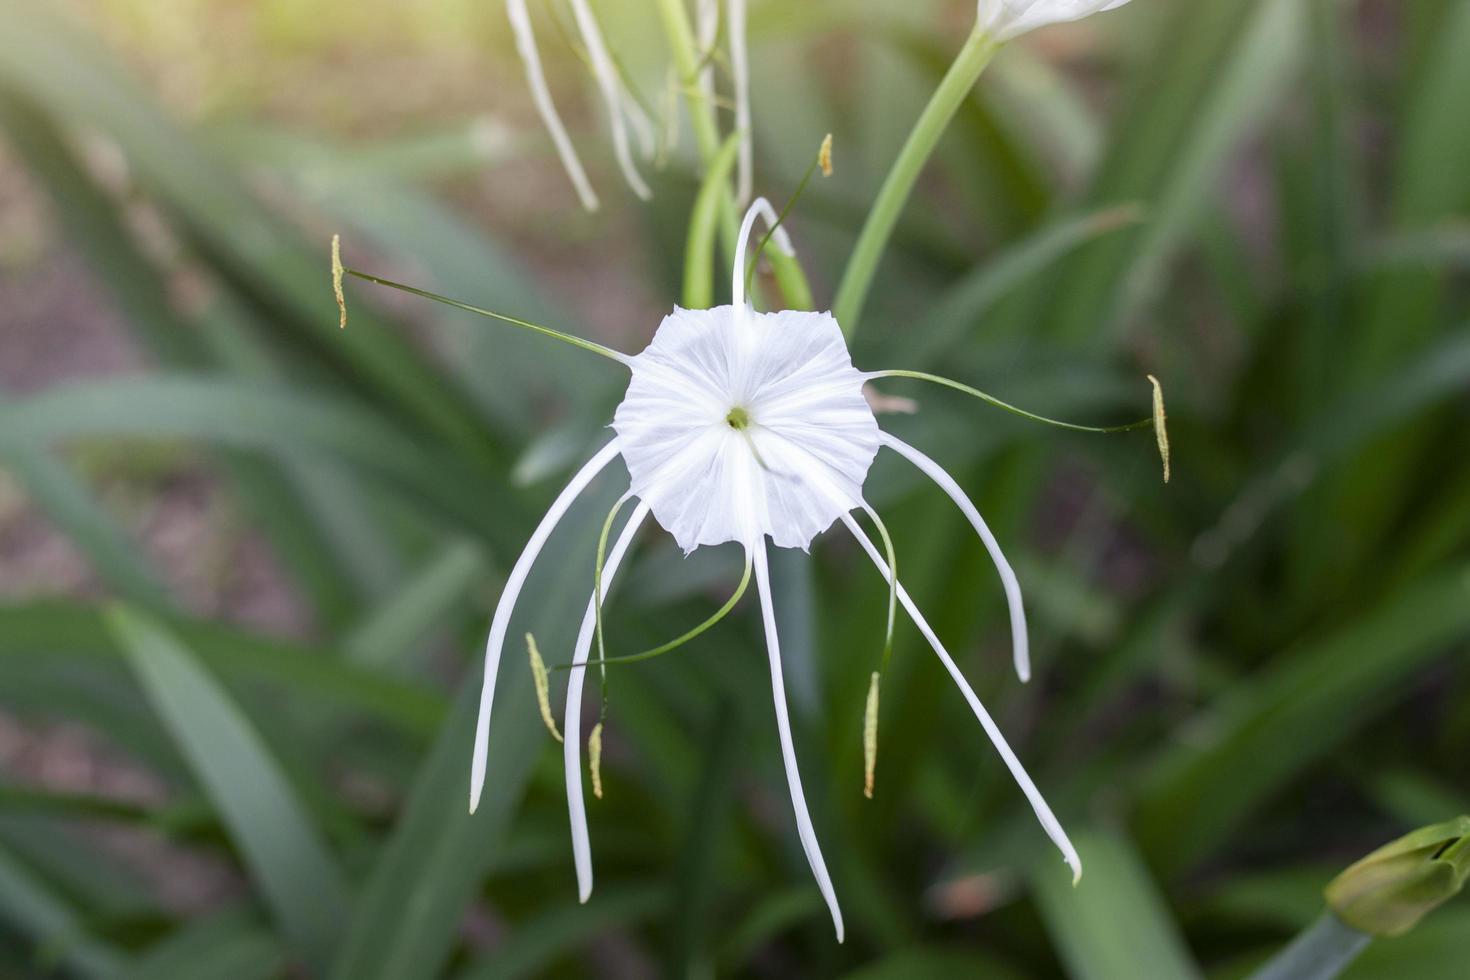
x: 1389, y: 891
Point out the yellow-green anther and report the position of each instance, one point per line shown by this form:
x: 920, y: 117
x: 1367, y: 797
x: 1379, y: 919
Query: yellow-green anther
x: 337, y: 282
x: 824, y: 156
x: 543, y: 686
x: 870, y: 737
x: 1389, y: 891
x: 1161, y: 431
x: 594, y: 759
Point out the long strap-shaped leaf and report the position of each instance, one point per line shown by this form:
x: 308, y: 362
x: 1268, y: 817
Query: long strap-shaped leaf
x: 283, y: 852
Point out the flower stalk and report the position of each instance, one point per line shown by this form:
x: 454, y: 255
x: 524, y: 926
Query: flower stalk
x: 857, y: 279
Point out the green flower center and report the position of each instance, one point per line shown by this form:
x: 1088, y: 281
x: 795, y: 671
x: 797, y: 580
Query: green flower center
x: 738, y: 419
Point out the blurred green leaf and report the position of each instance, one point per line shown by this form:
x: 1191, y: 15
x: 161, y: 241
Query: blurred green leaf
x: 285, y: 854
x: 1269, y: 728
x: 1114, y: 922
x: 54, y: 928
x: 228, y: 945
x: 387, y: 636
x: 535, y: 945
x: 57, y: 627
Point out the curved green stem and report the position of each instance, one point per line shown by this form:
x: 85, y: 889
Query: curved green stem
x: 674, y: 644
x: 857, y: 279
x: 789, y: 274
x: 992, y: 400
x: 892, y: 584
x: 699, y: 249
x: 567, y: 338
x: 597, y: 593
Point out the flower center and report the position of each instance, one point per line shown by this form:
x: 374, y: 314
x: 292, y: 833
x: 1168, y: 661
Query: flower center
x: 738, y: 419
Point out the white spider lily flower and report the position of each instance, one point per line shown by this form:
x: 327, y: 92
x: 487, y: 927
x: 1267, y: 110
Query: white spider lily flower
x: 741, y: 426
x: 1006, y: 19
x: 622, y: 109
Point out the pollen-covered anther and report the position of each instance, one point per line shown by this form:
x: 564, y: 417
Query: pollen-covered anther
x: 337, y: 271
x: 870, y: 736
x: 543, y: 686
x: 594, y: 758
x: 1161, y: 429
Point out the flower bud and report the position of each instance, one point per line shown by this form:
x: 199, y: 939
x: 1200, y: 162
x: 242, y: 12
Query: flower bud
x: 1389, y: 891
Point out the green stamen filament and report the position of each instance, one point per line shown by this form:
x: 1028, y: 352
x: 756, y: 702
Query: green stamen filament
x: 892, y: 584
x: 679, y: 641
x: 597, y: 597
x: 822, y: 161
x: 567, y: 338
x: 992, y: 400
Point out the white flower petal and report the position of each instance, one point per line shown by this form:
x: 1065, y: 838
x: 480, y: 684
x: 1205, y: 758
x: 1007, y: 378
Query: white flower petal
x: 503, y: 609
x: 572, y: 743
x: 708, y: 482
x: 804, y: 827
x: 611, y: 88
x: 1006, y: 19
x: 740, y: 70
x: 1049, y: 822
x: 520, y: 25
x: 1020, y: 645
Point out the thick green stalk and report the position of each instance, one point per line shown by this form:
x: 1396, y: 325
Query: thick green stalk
x: 948, y: 97
x: 688, y: 61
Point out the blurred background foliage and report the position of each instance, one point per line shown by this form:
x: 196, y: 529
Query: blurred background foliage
x: 247, y: 558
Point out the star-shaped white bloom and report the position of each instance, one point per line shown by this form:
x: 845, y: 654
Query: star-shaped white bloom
x: 1005, y: 19
x: 740, y: 426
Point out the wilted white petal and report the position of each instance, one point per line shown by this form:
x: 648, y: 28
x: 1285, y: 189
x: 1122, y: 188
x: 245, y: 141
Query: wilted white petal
x: 804, y: 827
x: 606, y: 74
x: 1020, y: 644
x: 707, y: 27
x: 572, y: 744
x: 520, y: 25
x: 1048, y: 820
x: 740, y: 72
x: 1005, y: 19
x: 503, y: 609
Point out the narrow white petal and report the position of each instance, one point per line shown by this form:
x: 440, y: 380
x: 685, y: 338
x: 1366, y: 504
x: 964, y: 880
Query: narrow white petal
x: 520, y: 25
x: 1006, y: 19
x: 707, y: 28
x: 804, y: 827
x: 609, y: 85
x: 759, y: 208
x: 1020, y: 644
x: 740, y: 70
x: 572, y: 743
x: 1049, y: 822
x: 503, y: 609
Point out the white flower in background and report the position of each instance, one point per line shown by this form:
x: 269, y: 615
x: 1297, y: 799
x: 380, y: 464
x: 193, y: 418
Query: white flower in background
x: 622, y: 108
x: 740, y: 426
x: 1005, y: 19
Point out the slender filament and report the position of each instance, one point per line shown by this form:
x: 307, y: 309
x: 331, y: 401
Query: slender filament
x: 566, y: 338
x: 822, y: 161
x: 892, y: 584
x: 679, y: 641
x: 992, y: 400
